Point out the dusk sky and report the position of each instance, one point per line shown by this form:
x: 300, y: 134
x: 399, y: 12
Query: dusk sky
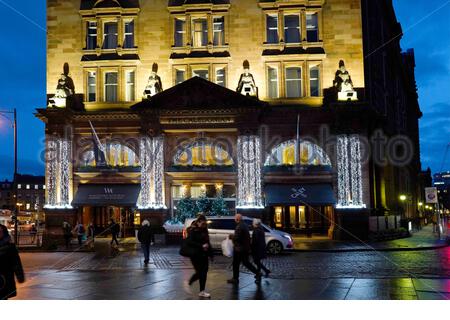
x: 425, y: 24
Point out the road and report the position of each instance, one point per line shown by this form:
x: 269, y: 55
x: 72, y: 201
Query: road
x: 422, y: 274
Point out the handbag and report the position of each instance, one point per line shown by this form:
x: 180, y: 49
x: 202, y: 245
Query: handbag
x: 227, y: 248
x: 186, y: 250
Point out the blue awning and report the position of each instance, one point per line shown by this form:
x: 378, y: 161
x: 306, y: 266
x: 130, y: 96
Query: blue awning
x: 319, y: 194
x: 98, y: 195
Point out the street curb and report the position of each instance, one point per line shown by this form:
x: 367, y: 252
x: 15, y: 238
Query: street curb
x: 372, y: 249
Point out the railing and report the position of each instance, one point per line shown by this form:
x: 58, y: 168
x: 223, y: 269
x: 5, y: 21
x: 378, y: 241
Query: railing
x: 27, y: 239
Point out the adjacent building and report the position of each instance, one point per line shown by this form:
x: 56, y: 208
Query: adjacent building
x: 6, y: 195
x: 303, y: 113
x: 442, y: 182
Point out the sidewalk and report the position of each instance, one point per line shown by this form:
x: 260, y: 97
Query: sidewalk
x: 420, y: 240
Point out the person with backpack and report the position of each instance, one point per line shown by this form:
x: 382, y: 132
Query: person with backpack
x: 201, y: 251
x: 10, y: 266
x: 80, y: 231
x: 145, y: 238
x: 114, y: 229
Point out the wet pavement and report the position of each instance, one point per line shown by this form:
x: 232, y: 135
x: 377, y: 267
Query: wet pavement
x: 106, y: 274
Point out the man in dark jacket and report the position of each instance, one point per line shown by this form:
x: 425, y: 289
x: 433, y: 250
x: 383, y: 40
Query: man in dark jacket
x: 145, y: 238
x: 241, y: 242
x: 10, y: 265
x: 114, y: 228
x: 259, y: 246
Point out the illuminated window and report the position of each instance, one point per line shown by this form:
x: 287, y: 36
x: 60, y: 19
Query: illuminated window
x: 199, y: 32
x: 314, y: 81
x: 203, y: 155
x: 36, y: 187
x: 111, y: 86
x: 43, y: 186
x: 312, y: 27
x: 92, y: 86
x: 219, y: 31
x: 292, y: 216
x: 302, y: 217
x: 221, y: 77
x: 272, y: 77
x: 28, y: 187
x: 202, y: 73
x: 272, y: 28
x: 278, y: 218
x: 129, y: 86
x: 28, y: 206
x: 309, y: 154
x: 110, y: 35
x: 116, y: 155
x: 180, y: 76
x: 128, y: 35
x: 180, y: 32
x: 19, y: 186
x: 293, y: 82
x: 91, y: 35
x: 292, y: 28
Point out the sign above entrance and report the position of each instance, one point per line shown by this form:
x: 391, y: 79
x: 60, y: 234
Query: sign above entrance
x: 96, y: 195
x: 299, y: 194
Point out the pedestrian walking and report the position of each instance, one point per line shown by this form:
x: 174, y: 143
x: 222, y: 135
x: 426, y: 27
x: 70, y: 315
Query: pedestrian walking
x: 33, y: 232
x: 80, y: 231
x: 198, y: 240
x: 242, y: 246
x: 67, y: 233
x: 10, y: 266
x: 114, y: 229
x: 145, y: 238
x: 91, y: 235
x: 259, y: 246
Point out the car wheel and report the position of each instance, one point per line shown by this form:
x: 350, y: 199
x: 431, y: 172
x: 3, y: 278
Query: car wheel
x: 274, y: 247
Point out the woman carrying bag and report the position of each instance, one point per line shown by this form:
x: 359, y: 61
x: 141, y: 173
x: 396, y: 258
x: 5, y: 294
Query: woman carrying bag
x: 198, y: 248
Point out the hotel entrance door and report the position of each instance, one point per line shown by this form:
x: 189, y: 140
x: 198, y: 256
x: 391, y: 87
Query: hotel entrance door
x: 100, y: 217
x: 303, y: 219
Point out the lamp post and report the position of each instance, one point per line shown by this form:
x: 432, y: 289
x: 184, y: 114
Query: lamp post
x: 14, y: 125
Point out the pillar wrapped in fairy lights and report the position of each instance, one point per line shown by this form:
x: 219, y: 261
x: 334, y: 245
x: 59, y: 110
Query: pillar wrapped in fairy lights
x: 58, y: 171
x: 152, y: 173
x: 249, y: 173
x: 350, y: 193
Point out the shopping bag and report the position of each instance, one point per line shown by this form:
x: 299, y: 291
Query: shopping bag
x: 227, y: 248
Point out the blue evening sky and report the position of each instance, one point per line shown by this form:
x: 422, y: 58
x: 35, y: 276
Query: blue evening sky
x: 22, y: 55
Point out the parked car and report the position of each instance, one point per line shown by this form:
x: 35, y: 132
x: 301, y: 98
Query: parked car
x: 221, y: 227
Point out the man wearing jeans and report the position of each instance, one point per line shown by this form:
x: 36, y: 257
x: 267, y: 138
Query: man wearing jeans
x: 241, y: 242
x: 145, y: 238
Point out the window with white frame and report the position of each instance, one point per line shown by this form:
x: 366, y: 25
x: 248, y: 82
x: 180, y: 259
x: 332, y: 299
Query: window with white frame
x: 272, y: 28
x: 201, y: 72
x: 272, y: 86
x: 110, y: 35
x: 199, y: 32
x: 128, y: 42
x: 91, y: 35
x: 219, y: 31
x: 314, y: 81
x: 91, y: 86
x: 111, y: 83
x: 221, y: 77
x: 179, y: 32
x: 292, y: 28
x: 28, y: 187
x: 293, y: 84
x: 312, y: 27
x: 180, y: 75
x: 130, y: 86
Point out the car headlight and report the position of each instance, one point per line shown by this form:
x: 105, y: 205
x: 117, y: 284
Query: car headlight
x: 287, y: 237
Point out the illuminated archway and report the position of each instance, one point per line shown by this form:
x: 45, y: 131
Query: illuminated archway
x: 116, y: 154
x: 309, y: 155
x: 202, y: 153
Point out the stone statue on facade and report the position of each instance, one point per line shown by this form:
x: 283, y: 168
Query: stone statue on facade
x: 247, y: 84
x: 344, y: 84
x: 64, y: 89
x: 154, y: 84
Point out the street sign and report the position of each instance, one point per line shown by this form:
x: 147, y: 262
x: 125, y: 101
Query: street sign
x: 431, y: 195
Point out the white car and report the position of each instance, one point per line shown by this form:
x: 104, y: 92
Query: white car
x: 221, y: 227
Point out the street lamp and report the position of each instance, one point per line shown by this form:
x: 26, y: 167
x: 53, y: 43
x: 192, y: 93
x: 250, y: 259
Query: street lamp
x: 402, y: 197
x: 13, y: 122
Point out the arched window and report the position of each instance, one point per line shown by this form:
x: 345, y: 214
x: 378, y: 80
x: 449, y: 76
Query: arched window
x: 309, y: 155
x: 117, y: 155
x: 202, y: 153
